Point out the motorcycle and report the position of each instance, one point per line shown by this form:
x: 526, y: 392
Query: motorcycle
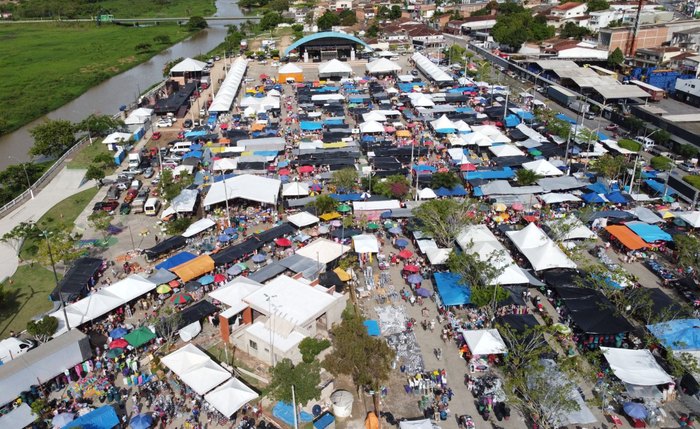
x: 438, y: 353
x: 466, y: 422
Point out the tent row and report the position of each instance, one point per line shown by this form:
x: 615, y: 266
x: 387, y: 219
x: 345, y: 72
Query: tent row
x: 229, y: 88
x: 539, y: 249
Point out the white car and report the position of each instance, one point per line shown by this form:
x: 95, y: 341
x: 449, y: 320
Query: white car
x: 163, y: 123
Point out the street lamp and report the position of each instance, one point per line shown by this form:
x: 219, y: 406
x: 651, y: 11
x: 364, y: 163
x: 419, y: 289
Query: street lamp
x: 26, y: 175
x: 46, y: 235
x: 634, y: 169
x: 269, y: 299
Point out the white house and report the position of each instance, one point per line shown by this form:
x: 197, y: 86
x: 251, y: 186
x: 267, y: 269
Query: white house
x: 567, y: 12
x: 343, y: 5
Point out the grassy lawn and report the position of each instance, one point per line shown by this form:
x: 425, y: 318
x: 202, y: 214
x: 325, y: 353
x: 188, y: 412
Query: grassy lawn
x: 28, y: 295
x: 83, y: 158
x: 54, y: 63
x: 218, y: 353
x: 163, y: 8
x: 60, y: 217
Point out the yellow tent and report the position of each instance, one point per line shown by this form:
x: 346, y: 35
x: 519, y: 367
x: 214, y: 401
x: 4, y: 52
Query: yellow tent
x: 290, y: 71
x: 342, y: 275
x: 330, y: 216
x: 403, y: 133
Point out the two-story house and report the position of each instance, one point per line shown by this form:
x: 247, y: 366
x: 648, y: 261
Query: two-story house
x: 567, y: 12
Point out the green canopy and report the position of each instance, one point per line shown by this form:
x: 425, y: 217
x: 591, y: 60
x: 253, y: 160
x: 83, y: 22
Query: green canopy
x: 344, y: 208
x: 139, y: 337
x: 114, y: 353
x: 372, y: 225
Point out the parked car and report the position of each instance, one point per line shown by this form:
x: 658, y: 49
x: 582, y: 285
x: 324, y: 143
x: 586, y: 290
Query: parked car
x: 170, y: 164
x: 130, y: 195
x: 98, y: 206
x: 148, y: 173
x: 125, y: 208
x: 135, y: 171
x: 123, y: 185
x: 135, y: 184
x: 113, y: 193
x: 612, y: 127
x: 164, y: 123
x: 187, y: 123
x: 110, y: 206
x: 156, y: 135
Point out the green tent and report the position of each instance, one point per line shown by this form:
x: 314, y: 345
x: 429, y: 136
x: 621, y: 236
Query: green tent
x: 139, y: 337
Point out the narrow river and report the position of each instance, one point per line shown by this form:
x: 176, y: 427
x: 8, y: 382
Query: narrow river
x: 124, y: 88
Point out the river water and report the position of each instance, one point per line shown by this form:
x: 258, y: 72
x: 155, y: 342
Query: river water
x: 122, y: 89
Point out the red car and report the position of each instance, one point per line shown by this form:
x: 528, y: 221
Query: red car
x: 110, y: 206
x: 130, y: 195
x: 612, y: 127
x: 156, y: 135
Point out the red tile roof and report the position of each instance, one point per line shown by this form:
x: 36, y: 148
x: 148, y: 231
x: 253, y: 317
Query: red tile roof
x: 567, y: 6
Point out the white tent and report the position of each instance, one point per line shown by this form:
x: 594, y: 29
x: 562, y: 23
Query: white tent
x: 637, y: 367
x: 323, y: 250
x: 18, y: 418
x: 289, y: 68
x: 438, y: 256
x: 444, y: 125
x: 117, y: 138
x: 371, y: 127
x: 422, y: 100
x: 365, y: 243
x: 185, y: 359
x: 225, y: 164
x: 426, y: 194
x: 553, y: 198
x: 185, y: 202
x: 302, y: 219
x: 205, y: 377
x: 479, y: 240
x: 569, y: 228
x: 505, y: 150
x: 230, y: 397
x: 247, y: 187
x: 691, y: 218
x: 334, y: 68
x: 373, y: 116
x: 139, y: 116
x: 327, y: 97
x: 477, y: 138
x: 462, y: 127
x: 229, y: 88
x: 539, y: 249
x: 430, y: 69
x: 645, y: 215
x: 197, y: 227
x: 382, y: 66
x: 484, y: 342
x: 295, y: 189
x: 542, y: 167
x: 188, y: 65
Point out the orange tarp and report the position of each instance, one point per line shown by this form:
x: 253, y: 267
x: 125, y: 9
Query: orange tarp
x: 257, y: 127
x: 298, y: 77
x: 194, y: 268
x: 627, y: 237
x: 371, y: 422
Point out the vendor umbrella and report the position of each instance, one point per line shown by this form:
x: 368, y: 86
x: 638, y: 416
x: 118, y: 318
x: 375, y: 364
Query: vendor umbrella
x: 635, y: 410
x: 336, y: 223
x: 405, y: 253
x: 114, y: 353
x: 414, y: 279
x: 119, y: 343
x: 372, y: 226
x: 62, y: 419
x: 283, y: 242
x: 219, y: 278
x: 517, y: 206
x: 140, y: 336
x: 206, y: 280
x: 344, y: 208
x: 402, y: 242
x: 316, y: 187
x: 142, y: 421
x: 499, y: 207
x: 181, y: 298
x: 230, y: 231
x: 411, y: 268
x: 234, y: 270
x: 242, y: 266
x: 192, y: 286
x: 224, y: 238
x: 117, y: 333
x: 174, y: 283
x: 395, y: 230
x: 323, y: 229
x: 259, y: 258
x: 425, y: 293
x: 164, y: 289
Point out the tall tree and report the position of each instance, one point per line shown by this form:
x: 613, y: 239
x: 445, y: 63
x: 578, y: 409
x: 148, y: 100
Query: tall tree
x: 327, y: 21
x: 345, y: 179
x: 444, y: 180
x: 305, y: 377
x: 96, y: 173
x: 610, y: 166
x: 688, y: 252
x: 20, y: 233
x: 98, y: 125
x: 367, y: 360
x: 526, y: 177
x: 444, y: 219
x: 42, y: 330
x: 61, y: 248
x: 324, y: 204
x: 52, y: 138
x: 616, y: 58
x: 479, y: 275
x: 100, y: 222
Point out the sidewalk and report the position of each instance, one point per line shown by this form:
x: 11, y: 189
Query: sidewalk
x: 66, y: 183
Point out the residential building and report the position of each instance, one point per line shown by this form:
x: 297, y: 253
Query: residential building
x: 688, y: 39
x: 656, y: 56
x: 567, y: 12
x: 478, y: 23
x: 686, y: 63
x: 688, y: 91
x: 649, y: 36
x: 343, y: 5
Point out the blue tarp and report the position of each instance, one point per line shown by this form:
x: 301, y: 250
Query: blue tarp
x: 424, y: 168
x: 446, y: 130
x: 598, y: 188
x: 450, y: 290
x: 325, y: 420
x: 195, y: 146
x: 265, y: 153
x: 478, y: 192
x: 310, y: 125
x: 464, y: 110
x: 198, y: 133
x: 592, y: 198
x: 512, y: 121
x: 285, y: 412
x: 602, y: 136
x: 616, y: 197
x: 525, y: 115
x: 358, y: 99
x: 175, y: 260
x: 680, y: 334
x: 462, y: 89
x: 102, y: 418
x: 506, y: 173
x: 563, y: 117
x: 458, y: 191
x: 442, y: 192
x: 195, y: 154
x: 372, y: 328
x: 408, y: 87
x: 659, y: 187
x: 346, y: 197
x: 367, y: 138
x: 649, y: 233
x: 333, y: 122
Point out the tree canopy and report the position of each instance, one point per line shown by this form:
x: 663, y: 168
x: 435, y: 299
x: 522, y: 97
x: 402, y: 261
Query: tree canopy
x: 100, y: 125
x: 444, y: 219
x: 52, y: 138
x: 572, y: 30
x: 345, y: 179
x: 305, y: 377
x: 688, y: 252
x: 444, y: 180
x: 661, y: 163
x: 526, y: 177
x: 42, y: 330
x: 595, y: 5
x: 328, y: 20
x: 514, y: 29
x: 616, y: 57
x: 324, y: 204
x: 196, y: 23
x: 610, y: 166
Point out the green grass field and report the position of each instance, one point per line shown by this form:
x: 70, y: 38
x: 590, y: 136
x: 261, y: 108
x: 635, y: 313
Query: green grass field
x: 27, y: 296
x: 162, y: 8
x: 48, y: 65
x: 84, y: 157
x: 60, y: 217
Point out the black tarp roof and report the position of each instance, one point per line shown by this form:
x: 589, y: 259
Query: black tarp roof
x: 275, y: 232
x: 592, y: 312
x: 191, y: 314
x: 562, y: 277
x: 165, y: 246
x: 76, y: 279
x: 517, y: 322
x: 233, y: 253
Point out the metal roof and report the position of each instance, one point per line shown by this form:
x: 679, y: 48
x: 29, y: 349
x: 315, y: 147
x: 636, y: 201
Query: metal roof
x: 611, y: 92
x: 322, y: 35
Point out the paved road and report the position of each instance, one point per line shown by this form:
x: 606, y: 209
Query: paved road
x: 68, y: 182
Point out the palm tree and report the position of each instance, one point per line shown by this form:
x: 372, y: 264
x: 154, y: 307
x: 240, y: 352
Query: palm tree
x: 526, y: 177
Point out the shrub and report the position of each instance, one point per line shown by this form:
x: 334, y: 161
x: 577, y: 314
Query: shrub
x: 694, y: 180
x: 629, y: 145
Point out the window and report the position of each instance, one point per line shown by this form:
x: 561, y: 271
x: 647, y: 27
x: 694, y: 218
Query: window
x: 253, y: 344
